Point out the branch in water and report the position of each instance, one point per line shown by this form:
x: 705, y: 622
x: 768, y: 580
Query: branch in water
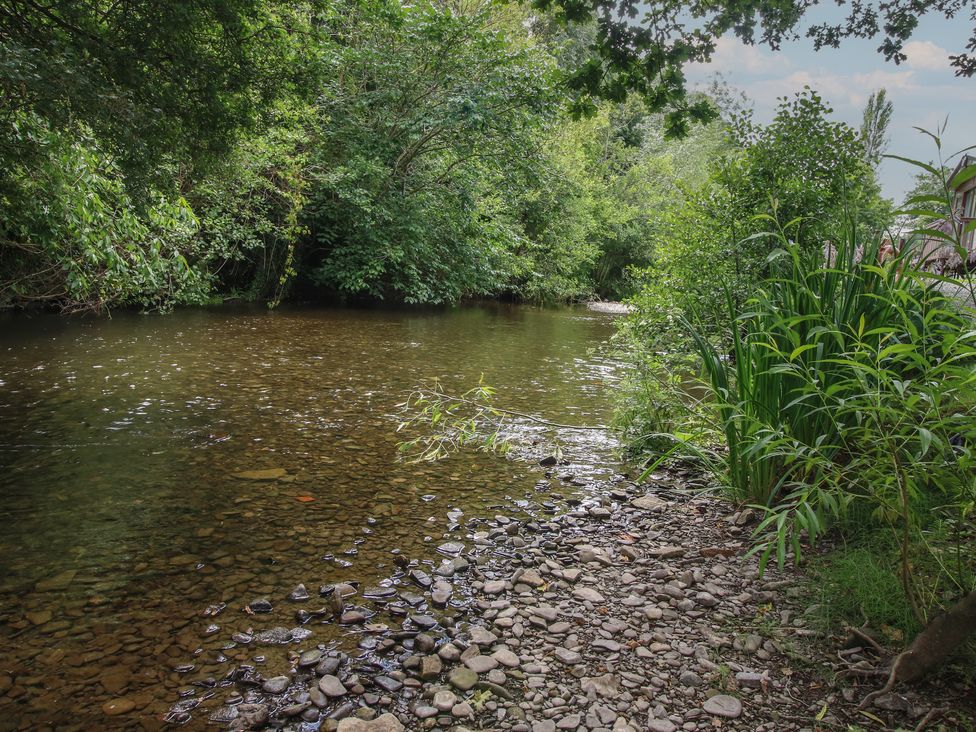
x: 454, y: 422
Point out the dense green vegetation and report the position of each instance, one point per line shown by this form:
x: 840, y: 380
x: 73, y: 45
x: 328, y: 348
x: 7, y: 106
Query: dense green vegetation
x: 154, y: 155
x: 419, y: 153
x: 832, y: 388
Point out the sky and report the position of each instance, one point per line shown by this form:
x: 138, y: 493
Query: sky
x: 923, y: 89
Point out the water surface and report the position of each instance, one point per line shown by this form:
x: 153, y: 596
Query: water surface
x: 122, y: 519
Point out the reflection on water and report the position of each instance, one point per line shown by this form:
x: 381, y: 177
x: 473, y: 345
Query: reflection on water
x: 122, y: 516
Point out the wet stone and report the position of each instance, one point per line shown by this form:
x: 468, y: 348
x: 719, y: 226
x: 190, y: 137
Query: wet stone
x: 299, y: 594
x: 310, y: 658
x: 424, y: 621
x: 388, y: 684
x: 331, y: 686
x: 118, y: 706
x: 276, y: 685
x: 463, y: 678
x: 260, y: 605
x: 451, y: 547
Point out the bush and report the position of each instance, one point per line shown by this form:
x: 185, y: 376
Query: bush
x: 73, y: 237
x: 851, y: 386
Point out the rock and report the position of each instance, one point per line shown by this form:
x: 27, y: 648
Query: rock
x: 661, y: 725
x: 430, y: 667
x: 750, y: 679
x: 424, y: 621
x: 588, y: 594
x: 463, y: 710
x: 567, y: 656
x: 545, y: 725
x: 607, y: 685
x: 309, y: 658
x: 606, y: 644
x: 118, y: 706
x: 571, y: 721
x: 548, y: 461
x: 388, y: 684
x: 383, y: 723
x: 444, y: 700
x: 331, y: 686
x: 494, y: 587
x: 59, y: 581
x: 706, y: 599
x: 462, y: 678
x: 352, y: 617
x: 40, y: 617
x: 276, y: 685
x: 250, y: 716
x: 752, y: 643
x: 449, y: 652
x: 115, y: 679
x: 299, y: 594
x: 667, y: 552
x: 650, y: 502
x: 275, y: 636
x: 480, y: 664
x: 421, y: 578
x: 451, y: 548
x: 532, y: 578
x: 690, y: 678
x: 506, y: 658
x: 482, y: 637
x: 723, y: 705
x: 266, y: 474
x: 260, y: 605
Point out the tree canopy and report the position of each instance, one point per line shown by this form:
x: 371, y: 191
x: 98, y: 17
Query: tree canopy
x: 643, y: 47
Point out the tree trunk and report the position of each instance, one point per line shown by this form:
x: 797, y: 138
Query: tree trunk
x: 932, y: 646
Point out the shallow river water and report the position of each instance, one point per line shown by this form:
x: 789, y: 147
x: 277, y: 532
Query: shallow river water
x: 123, y: 519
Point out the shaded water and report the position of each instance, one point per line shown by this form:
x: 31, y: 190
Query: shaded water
x: 122, y: 519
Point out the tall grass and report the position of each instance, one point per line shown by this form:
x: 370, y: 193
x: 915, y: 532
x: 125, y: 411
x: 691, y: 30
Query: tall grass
x: 850, y: 382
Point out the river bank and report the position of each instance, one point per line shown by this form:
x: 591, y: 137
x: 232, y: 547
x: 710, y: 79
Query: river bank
x: 635, y: 611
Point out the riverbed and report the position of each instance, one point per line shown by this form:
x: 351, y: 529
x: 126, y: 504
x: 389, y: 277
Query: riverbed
x: 152, y: 467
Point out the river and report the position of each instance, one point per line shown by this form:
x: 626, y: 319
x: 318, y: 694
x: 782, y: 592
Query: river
x: 121, y: 443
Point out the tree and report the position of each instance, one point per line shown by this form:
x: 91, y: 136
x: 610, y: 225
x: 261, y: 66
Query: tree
x: 647, y: 57
x: 425, y: 120
x: 803, y: 166
x: 874, y: 126
x: 151, y: 80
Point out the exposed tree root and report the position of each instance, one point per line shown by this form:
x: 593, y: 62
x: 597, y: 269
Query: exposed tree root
x: 943, y: 635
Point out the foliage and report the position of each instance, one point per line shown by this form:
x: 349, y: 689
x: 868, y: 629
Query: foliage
x: 648, y: 57
x: 151, y: 81
x: 874, y: 126
x: 451, y: 422
x: 851, y: 388
x: 804, y: 167
x: 71, y: 236
x: 858, y: 583
x: 250, y: 208
x: 424, y: 113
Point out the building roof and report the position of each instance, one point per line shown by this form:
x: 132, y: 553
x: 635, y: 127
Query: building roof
x: 964, y: 162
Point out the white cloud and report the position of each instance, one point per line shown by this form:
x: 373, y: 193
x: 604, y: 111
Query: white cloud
x: 731, y: 55
x: 926, y: 56
x: 840, y: 90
